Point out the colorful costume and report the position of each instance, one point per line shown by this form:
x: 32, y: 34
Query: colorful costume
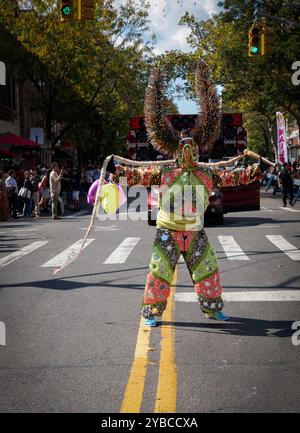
x: 180, y: 218
x: 180, y: 228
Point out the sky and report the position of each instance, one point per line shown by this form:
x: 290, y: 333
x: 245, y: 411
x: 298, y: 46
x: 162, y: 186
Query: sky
x: 164, y: 16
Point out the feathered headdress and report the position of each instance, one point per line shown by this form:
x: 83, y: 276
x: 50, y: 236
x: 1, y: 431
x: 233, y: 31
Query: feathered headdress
x: 208, y: 122
x: 161, y: 133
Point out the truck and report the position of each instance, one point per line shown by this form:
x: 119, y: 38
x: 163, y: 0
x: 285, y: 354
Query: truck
x: 231, y: 142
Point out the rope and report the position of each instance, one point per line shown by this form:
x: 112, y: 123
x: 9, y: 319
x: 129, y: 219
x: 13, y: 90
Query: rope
x: 144, y: 164
x: 94, y: 214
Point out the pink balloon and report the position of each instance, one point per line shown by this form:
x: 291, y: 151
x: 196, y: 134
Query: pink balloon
x: 91, y: 196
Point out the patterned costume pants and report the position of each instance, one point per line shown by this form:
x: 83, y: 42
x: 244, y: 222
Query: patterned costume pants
x: 200, y: 260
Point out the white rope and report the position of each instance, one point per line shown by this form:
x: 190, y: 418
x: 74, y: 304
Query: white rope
x: 143, y: 164
x: 94, y: 214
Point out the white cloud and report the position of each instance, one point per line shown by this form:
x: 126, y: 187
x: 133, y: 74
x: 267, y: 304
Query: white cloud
x: 164, y: 16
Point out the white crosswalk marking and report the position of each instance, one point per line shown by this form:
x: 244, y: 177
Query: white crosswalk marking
x: 66, y: 255
x: 266, y: 209
x: 288, y: 249
x: 247, y: 296
x: 7, y: 260
x: 121, y: 253
x: 232, y: 250
x: 289, y: 209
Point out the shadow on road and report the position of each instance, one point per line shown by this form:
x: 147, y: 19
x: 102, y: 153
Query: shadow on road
x: 238, y: 326
x: 254, y: 221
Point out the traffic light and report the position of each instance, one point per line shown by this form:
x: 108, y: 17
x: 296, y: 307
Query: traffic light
x: 66, y: 10
x: 256, y: 41
x: 86, y: 9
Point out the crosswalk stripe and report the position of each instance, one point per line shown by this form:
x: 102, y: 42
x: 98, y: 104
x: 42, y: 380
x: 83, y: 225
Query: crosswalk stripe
x: 247, y: 296
x: 66, y: 255
x: 121, y: 253
x: 289, y: 209
x: 232, y: 250
x: 7, y: 260
x: 266, y: 209
x: 288, y: 249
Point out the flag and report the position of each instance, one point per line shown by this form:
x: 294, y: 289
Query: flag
x: 281, y: 138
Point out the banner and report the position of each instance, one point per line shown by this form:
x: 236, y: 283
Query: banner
x: 281, y: 138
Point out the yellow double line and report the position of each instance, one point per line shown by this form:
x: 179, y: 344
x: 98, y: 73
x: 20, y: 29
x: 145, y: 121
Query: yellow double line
x: 167, y: 378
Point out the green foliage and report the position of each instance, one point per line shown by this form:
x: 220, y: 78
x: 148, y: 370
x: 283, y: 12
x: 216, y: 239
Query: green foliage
x: 257, y: 85
x: 89, y: 77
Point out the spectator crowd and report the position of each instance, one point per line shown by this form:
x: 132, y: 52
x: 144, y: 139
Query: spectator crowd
x: 45, y: 191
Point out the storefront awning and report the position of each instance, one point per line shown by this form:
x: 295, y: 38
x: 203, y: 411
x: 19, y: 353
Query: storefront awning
x: 8, y: 153
x: 15, y: 140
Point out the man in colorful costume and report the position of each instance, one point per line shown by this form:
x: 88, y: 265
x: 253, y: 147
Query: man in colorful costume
x: 180, y: 218
x: 180, y: 221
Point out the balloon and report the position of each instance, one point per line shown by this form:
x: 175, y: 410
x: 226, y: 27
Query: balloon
x: 91, y: 196
x: 112, y: 196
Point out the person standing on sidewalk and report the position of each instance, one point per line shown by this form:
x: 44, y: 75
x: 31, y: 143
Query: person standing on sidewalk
x: 286, y: 180
x: 27, y: 200
x: 75, y: 182
x: 35, y: 180
x: 4, y: 200
x: 55, y: 187
x: 12, y: 187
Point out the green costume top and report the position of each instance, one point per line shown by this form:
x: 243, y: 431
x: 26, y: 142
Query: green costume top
x: 184, y: 186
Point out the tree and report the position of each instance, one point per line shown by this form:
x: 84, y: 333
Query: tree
x: 260, y: 85
x: 89, y: 75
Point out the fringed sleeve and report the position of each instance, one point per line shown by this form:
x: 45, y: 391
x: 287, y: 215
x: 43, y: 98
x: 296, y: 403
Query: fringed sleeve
x: 146, y: 176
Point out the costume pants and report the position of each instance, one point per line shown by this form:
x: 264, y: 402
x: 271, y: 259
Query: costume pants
x: 200, y: 260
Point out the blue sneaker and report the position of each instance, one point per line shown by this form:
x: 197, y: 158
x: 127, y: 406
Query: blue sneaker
x: 218, y: 315
x: 150, y: 322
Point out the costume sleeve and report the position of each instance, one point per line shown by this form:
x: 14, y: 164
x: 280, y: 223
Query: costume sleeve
x: 146, y: 176
x: 243, y: 176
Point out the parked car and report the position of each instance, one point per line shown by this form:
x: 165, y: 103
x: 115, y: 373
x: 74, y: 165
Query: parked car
x: 213, y: 214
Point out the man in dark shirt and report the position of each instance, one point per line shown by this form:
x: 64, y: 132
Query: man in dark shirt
x: 286, y: 180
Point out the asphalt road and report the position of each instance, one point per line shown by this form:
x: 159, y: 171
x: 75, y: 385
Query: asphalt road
x: 74, y: 342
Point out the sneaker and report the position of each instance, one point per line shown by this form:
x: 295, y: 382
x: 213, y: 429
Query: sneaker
x: 150, y: 322
x: 219, y: 315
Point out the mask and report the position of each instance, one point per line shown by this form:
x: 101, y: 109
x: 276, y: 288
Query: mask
x: 187, y: 153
